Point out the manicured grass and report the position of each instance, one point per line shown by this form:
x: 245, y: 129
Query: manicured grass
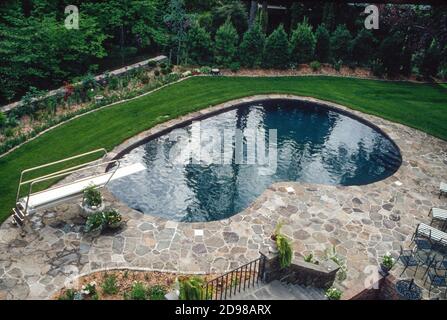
x: 422, y: 106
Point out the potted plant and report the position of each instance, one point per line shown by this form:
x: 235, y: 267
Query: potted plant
x: 112, y: 219
x: 95, y: 224
x: 333, y: 293
x: 92, y: 201
x: 273, y: 246
x: 387, y: 263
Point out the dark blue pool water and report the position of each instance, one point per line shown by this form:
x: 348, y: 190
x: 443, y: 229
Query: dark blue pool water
x: 314, y: 144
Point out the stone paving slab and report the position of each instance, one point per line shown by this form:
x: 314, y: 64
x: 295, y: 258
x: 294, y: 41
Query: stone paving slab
x: 361, y: 222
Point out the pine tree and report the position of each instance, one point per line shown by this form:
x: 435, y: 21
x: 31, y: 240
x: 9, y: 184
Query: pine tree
x: 276, y: 49
x: 302, y: 44
x: 323, y: 44
x: 198, y: 44
x: 340, y: 41
x: 362, y: 47
x: 252, y: 47
x: 225, y: 43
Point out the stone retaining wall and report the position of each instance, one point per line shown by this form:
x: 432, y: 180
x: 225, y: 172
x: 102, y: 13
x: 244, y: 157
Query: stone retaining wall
x: 300, y: 272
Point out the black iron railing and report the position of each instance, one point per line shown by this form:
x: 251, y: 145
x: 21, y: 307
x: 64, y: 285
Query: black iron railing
x: 235, y: 281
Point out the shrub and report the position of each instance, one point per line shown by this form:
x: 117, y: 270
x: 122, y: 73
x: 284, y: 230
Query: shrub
x: 137, y: 292
x: 3, y: 120
x: 69, y: 294
x: 163, y: 65
x: 94, y: 221
x: 363, y: 46
x: 109, y: 286
x: 89, y: 82
x: 112, y: 217
x: 235, y: 66
x: 302, y: 43
x: 276, y: 49
x: 225, y: 44
x: 284, y: 251
x: 92, y: 197
x: 315, y: 66
x: 191, y: 288
x: 152, y: 63
x: 198, y: 44
x: 205, y: 70
x: 377, y: 68
x: 431, y: 59
x: 252, y: 47
x: 157, y: 293
x: 145, y: 79
x: 113, y: 82
x: 322, y: 44
x: 388, y: 260
x: 165, y: 71
x: 333, y: 293
x: 340, y: 41
x: 337, y: 65
x: 390, y: 53
x: 157, y: 73
x: 310, y: 259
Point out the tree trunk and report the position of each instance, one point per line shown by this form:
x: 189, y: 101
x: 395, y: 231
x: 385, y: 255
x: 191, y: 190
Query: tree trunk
x: 253, y: 10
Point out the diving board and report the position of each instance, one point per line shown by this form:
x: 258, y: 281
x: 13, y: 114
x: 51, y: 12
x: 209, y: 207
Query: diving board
x: 56, y: 194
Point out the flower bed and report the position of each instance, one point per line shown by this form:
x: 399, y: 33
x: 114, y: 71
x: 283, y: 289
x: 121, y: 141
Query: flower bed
x: 127, y: 284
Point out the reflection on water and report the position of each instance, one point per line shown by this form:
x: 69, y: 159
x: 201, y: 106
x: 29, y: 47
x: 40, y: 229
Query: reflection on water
x: 314, y: 145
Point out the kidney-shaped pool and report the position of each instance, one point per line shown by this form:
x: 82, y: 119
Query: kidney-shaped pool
x: 216, y: 167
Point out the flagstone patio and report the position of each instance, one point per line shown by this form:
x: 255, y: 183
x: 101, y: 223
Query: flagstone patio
x: 361, y: 222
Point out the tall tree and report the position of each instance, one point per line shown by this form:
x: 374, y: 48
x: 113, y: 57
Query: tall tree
x: 198, y: 44
x: 322, y: 44
x: 302, y: 43
x: 276, y: 52
x: 340, y: 41
x: 225, y: 45
x: 177, y: 22
x: 252, y: 46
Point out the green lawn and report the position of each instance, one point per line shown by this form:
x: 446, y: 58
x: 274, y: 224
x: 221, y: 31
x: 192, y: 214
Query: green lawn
x: 422, y: 106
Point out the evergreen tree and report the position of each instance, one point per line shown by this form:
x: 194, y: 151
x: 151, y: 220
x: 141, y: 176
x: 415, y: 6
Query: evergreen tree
x: 225, y: 44
x: 302, y: 44
x: 233, y: 10
x: 363, y: 47
x: 198, y: 44
x: 276, y: 49
x: 340, y: 41
x: 322, y: 44
x: 431, y: 59
x: 252, y: 47
x: 390, y: 53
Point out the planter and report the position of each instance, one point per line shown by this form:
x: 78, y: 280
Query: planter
x: 114, y: 225
x: 95, y: 232
x: 86, y: 210
x: 273, y: 248
x: 384, y: 270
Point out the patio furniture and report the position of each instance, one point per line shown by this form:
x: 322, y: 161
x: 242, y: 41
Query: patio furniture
x: 425, y: 231
x: 442, y: 189
x: 408, y: 290
x: 440, y: 215
x: 408, y: 259
x: 437, y: 277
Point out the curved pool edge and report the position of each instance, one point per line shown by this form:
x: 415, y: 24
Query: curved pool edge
x: 161, y: 129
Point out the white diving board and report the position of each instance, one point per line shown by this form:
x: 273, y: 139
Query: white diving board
x: 56, y: 194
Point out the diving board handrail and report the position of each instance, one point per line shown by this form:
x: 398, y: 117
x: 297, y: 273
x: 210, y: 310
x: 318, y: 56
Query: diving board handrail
x: 61, y: 174
x: 21, y: 182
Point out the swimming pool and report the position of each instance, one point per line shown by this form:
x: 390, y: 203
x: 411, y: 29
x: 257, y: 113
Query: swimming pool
x: 244, y: 150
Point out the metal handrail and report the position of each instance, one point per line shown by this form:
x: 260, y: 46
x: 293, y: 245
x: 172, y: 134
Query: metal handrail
x: 61, y: 174
x: 21, y: 182
x: 255, y: 270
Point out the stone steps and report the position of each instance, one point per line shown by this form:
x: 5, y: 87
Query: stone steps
x: 277, y: 290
